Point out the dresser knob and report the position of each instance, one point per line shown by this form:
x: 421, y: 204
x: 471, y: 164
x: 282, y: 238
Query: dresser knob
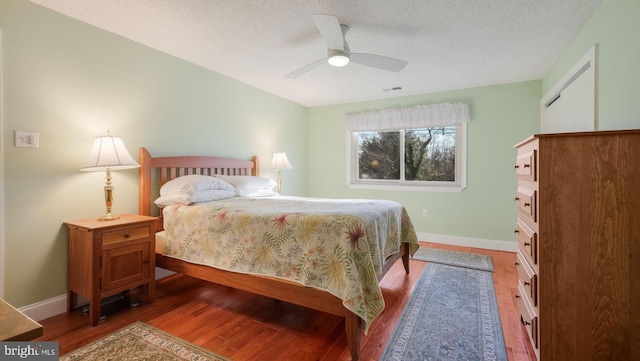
x: 516, y: 166
x: 526, y: 283
x: 527, y: 244
x: 516, y: 199
x: 526, y: 165
x: 527, y: 204
x: 516, y: 231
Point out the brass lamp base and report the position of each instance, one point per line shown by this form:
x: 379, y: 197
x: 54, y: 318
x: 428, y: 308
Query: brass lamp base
x: 108, y: 198
x: 279, y: 183
x: 108, y: 217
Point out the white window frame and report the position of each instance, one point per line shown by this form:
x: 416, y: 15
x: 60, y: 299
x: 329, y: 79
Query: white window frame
x: 385, y: 184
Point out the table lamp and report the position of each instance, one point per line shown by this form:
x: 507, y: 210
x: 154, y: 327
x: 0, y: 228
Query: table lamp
x: 280, y: 162
x: 109, y: 153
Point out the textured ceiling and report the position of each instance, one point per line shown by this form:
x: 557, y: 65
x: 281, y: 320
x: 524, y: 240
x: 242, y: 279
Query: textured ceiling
x: 449, y: 44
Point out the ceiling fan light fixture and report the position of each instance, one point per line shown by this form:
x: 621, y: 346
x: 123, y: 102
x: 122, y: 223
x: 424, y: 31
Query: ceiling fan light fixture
x: 338, y: 52
x: 338, y: 58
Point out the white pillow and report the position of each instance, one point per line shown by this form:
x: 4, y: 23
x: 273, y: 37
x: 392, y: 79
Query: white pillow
x: 198, y: 197
x: 193, y: 183
x: 257, y: 193
x: 246, y: 182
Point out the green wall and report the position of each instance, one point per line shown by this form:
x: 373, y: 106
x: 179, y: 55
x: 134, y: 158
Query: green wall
x: 72, y: 82
x: 501, y: 116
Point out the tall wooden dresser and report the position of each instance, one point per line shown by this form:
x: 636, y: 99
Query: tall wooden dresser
x: 578, y: 229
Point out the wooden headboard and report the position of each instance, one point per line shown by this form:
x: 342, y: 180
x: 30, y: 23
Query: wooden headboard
x: 154, y: 172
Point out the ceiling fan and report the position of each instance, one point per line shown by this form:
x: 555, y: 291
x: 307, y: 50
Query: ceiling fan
x: 339, y: 53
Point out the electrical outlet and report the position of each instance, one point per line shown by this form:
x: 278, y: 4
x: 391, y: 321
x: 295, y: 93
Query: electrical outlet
x: 425, y: 213
x: 27, y: 139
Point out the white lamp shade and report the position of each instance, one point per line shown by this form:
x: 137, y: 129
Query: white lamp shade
x: 280, y: 161
x: 109, y: 152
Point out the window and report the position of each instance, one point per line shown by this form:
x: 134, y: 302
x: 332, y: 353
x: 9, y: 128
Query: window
x: 422, y: 147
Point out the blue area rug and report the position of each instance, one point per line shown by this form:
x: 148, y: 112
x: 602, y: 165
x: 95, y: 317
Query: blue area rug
x: 461, y: 259
x: 451, y: 315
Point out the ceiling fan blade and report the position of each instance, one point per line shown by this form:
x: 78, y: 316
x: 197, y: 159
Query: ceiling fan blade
x: 330, y: 30
x: 378, y: 61
x: 306, y: 68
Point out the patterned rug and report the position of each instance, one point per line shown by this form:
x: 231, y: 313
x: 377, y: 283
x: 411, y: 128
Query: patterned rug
x: 461, y: 259
x: 451, y: 315
x: 140, y: 341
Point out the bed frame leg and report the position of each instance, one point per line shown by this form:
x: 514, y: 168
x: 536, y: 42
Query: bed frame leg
x: 353, y: 325
x: 405, y: 256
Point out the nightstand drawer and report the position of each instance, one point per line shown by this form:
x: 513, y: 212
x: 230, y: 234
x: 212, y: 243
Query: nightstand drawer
x: 128, y: 234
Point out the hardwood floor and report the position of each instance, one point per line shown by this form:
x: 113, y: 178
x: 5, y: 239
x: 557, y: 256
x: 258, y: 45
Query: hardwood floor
x: 242, y: 326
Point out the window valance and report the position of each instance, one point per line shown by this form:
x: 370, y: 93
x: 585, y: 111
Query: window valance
x: 423, y: 116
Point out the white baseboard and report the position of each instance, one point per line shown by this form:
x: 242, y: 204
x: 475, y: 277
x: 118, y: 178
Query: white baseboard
x: 469, y: 242
x: 47, y: 308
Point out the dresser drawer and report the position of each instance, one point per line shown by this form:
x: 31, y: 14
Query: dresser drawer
x: 526, y: 165
x: 527, y: 241
x: 528, y: 278
x: 528, y: 316
x: 526, y: 202
x: 129, y: 234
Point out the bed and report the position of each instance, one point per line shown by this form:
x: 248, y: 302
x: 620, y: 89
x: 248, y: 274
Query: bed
x: 293, y: 282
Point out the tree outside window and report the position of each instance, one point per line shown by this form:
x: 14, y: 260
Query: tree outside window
x: 429, y: 154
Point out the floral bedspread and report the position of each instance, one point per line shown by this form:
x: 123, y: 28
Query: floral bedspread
x: 335, y: 245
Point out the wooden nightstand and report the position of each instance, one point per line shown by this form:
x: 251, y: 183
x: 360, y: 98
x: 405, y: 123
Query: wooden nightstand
x: 106, y: 258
